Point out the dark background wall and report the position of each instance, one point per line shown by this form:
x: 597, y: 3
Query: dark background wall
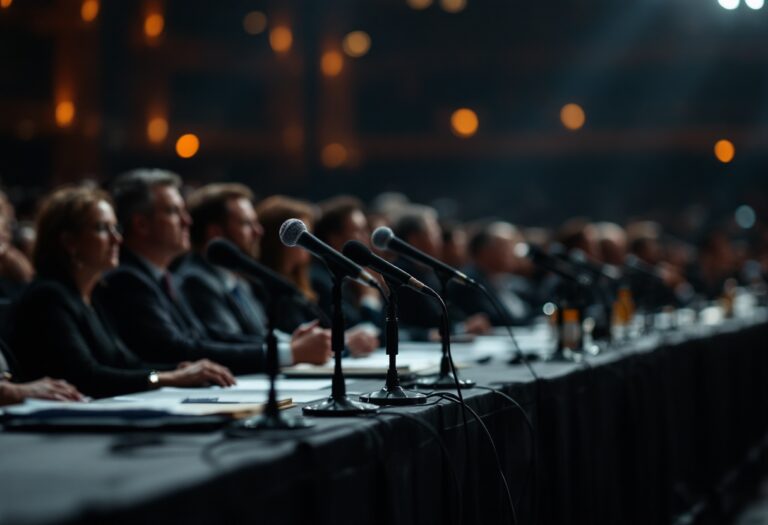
x: 660, y: 82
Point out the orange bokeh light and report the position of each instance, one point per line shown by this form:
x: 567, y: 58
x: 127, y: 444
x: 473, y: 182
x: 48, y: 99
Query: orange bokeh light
x: 572, y: 116
x: 187, y: 146
x: 464, y: 123
x: 725, y: 151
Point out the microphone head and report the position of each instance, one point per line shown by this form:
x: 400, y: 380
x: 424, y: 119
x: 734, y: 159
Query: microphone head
x: 291, y: 230
x: 357, y: 251
x: 523, y: 250
x: 223, y: 253
x: 381, y: 237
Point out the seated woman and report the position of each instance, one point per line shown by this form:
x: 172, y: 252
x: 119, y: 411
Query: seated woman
x: 54, y: 331
x: 294, y: 264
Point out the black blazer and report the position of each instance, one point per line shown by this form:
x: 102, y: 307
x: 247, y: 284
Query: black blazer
x: 161, y: 329
x: 223, y: 317
x: 54, y: 333
x: 472, y: 301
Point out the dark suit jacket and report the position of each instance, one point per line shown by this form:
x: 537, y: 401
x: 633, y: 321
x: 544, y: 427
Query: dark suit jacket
x: 472, y: 301
x: 161, y: 329
x: 223, y: 317
x: 54, y: 333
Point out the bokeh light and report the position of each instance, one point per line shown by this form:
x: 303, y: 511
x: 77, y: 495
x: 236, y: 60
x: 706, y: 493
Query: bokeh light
x: 255, y: 22
x: 157, y: 129
x: 356, y: 44
x: 89, y: 10
x: 187, y: 146
x: 281, y: 39
x: 154, y: 24
x: 65, y: 113
x: 334, y: 155
x: 725, y: 151
x: 745, y: 217
x: 572, y: 116
x: 464, y: 123
x: 331, y: 63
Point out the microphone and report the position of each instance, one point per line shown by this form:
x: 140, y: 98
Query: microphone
x: 596, y: 268
x: 294, y: 231
x: 384, y: 238
x: 363, y: 256
x: 551, y: 263
x: 222, y: 252
x: 634, y: 263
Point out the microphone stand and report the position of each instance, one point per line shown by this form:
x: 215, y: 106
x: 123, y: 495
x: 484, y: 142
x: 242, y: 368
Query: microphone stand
x: 393, y: 393
x: 338, y: 404
x: 445, y: 379
x: 272, y: 418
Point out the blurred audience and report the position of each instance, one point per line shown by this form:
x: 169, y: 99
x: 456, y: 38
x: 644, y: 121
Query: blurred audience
x: 140, y: 297
x: 55, y: 331
x: 227, y: 304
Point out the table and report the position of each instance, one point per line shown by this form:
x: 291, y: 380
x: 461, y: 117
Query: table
x: 641, y: 434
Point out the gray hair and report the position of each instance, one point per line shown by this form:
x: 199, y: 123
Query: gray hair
x: 132, y: 192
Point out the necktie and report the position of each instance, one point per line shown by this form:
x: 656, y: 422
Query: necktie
x: 167, y: 283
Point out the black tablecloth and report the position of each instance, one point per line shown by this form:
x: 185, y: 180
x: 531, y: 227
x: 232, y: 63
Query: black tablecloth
x: 638, y: 435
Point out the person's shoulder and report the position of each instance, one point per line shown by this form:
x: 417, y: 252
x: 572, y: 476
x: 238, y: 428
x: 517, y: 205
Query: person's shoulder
x: 124, y: 279
x: 46, y: 294
x: 196, y: 272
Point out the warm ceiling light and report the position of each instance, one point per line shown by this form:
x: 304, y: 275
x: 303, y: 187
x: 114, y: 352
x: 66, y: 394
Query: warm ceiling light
x: 281, y: 39
x: 89, y: 10
x: 419, y: 4
x: 255, y: 22
x: 187, y: 146
x: 65, y: 113
x: 153, y: 25
x: 5, y: 3
x: 334, y: 155
x: 464, y: 123
x: 572, y: 116
x: 331, y: 63
x: 725, y: 151
x: 453, y: 6
x: 356, y: 43
x: 157, y: 130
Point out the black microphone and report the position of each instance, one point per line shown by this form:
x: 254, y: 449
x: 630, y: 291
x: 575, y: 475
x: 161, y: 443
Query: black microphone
x: 384, y: 238
x: 596, y: 268
x: 551, y: 263
x: 222, y: 252
x: 636, y: 264
x: 294, y: 231
x: 363, y: 256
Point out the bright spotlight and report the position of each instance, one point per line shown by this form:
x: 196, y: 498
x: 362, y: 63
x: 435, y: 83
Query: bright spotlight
x: 755, y: 4
x: 728, y: 4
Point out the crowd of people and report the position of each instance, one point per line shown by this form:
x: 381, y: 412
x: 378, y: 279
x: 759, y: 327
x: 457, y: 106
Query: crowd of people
x: 112, y: 292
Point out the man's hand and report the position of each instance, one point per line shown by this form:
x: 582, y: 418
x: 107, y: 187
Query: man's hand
x: 311, y: 344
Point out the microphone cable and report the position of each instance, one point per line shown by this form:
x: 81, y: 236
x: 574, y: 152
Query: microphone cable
x: 455, y: 399
x: 504, y: 314
x: 534, y: 446
x: 436, y: 435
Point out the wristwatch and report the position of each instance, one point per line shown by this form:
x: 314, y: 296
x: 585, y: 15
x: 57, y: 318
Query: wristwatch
x: 154, y: 378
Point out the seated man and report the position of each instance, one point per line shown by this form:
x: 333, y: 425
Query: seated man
x: 139, y: 297
x: 342, y: 219
x: 493, y: 263
x: 224, y: 302
x: 418, y: 226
